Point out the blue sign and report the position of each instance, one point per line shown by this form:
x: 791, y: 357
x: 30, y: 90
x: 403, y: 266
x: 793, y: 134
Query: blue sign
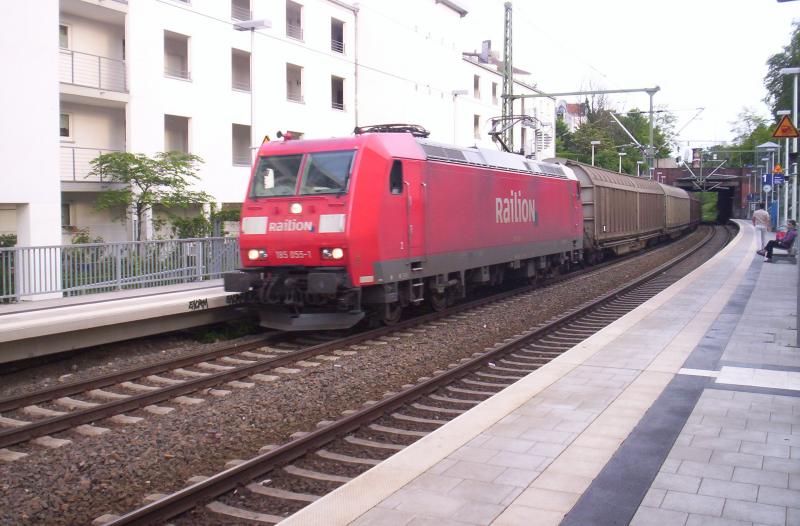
x: 777, y: 178
x: 766, y: 179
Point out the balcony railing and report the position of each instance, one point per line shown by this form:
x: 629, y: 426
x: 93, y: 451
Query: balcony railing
x: 337, y: 46
x: 241, y: 85
x: 294, y: 96
x: 92, y: 71
x: 75, y: 163
x: 293, y: 31
x: 337, y: 105
x: 177, y: 72
x: 242, y: 159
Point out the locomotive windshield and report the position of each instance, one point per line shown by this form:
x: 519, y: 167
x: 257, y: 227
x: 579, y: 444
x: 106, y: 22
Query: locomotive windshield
x: 276, y: 176
x: 322, y: 173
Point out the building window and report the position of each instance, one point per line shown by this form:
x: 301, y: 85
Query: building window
x: 337, y: 93
x: 65, y: 126
x: 476, y: 86
x: 337, y: 36
x: 294, y: 20
x: 66, y: 219
x: 294, y: 83
x: 476, y: 126
x: 241, y: 145
x: 524, y: 139
x: 63, y: 36
x: 494, y: 93
x: 240, y: 10
x: 176, y: 55
x: 396, y: 178
x: 240, y: 70
x: 176, y: 134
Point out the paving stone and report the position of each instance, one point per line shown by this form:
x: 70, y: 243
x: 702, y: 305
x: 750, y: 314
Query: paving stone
x: 779, y: 496
x: 784, y: 439
x: 737, y: 459
x: 769, y: 427
x: 705, y: 520
x: 566, y: 482
x: 782, y: 465
x: 671, y: 465
x: 729, y: 490
x: 754, y: 512
x: 766, y: 450
x: 516, y: 460
x: 516, y: 477
x: 478, y: 491
x: 696, y: 454
x: 761, y: 477
x: 548, y: 499
x: 476, y: 513
x: 658, y: 517
x: 794, y: 481
x: 741, y: 434
x: 717, y: 443
x: 682, y: 483
x: 653, y: 498
x: 690, y: 503
x: 704, y: 470
x: 473, y: 471
x: 426, y: 503
x: 473, y: 454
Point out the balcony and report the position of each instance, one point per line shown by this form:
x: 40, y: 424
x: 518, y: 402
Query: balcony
x: 240, y: 10
x: 92, y: 71
x: 337, y: 46
x: 75, y: 164
x: 293, y: 31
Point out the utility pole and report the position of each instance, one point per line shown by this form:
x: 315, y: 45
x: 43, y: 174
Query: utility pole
x: 508, y: 78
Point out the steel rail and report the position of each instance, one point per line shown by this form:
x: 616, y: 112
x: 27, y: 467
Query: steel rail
x: 46, y: 426
x: 216, y: 485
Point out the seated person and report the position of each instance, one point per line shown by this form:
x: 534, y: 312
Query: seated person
x: 785, y: 243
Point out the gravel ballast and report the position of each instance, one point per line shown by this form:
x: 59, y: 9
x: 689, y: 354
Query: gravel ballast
x: 113, y: 473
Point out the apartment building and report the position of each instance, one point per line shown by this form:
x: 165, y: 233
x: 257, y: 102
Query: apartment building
x: 213, y: 77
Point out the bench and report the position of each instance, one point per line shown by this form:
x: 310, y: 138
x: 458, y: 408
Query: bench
x: 789, y: 254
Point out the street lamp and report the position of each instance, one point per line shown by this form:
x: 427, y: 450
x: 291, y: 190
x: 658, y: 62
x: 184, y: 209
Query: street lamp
x: 639, y: 168
x: 594, y: 143
x: 621, y: 155
x: 786, y: 178
x: 795, y: 72
x: 252, y: 25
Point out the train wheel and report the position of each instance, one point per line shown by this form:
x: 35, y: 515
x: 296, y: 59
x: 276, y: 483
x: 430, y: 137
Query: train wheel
x: 437, y: 300
x: 391, y: 313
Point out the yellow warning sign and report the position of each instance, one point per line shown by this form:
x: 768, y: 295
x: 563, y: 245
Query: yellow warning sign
x: 785, y: 129
x: 778, y: 169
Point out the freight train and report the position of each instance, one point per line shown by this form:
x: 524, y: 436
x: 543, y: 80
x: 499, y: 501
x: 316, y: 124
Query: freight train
x: 336, y: 230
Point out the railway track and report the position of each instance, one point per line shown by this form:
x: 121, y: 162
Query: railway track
x: 79, y: 405
x: 285, y: 478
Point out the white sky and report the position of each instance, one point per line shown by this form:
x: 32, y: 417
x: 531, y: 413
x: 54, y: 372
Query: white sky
x: 702, y: 53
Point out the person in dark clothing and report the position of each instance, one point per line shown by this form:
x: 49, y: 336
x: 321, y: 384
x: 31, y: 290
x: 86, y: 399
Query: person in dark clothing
x: 785, y: 243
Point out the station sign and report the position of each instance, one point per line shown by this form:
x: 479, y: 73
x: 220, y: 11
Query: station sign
x: 777, y: 178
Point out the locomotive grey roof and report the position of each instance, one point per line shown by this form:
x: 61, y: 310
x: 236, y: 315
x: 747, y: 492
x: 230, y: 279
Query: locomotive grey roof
x: 491, y: 159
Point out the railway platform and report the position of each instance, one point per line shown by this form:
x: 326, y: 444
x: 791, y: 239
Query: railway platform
x: 685, y: 411
x: 33, y: 329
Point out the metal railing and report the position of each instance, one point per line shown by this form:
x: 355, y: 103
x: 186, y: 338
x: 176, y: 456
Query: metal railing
x: 177, y: 72
x: 294, y: 31
x: 242, y: 159
x: 294, y: 95
x: 92, y: 71
x: 337, y: 46
x: 337, y: 105
x: 76, y: 163
x: 73, y: 270
x: 240, y: 85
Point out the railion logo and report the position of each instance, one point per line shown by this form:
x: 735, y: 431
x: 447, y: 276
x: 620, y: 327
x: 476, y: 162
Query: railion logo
x: 515, y: 209
x: 291, y: 225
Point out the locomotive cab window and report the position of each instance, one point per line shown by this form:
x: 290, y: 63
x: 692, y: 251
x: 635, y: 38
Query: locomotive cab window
x: 276, y: 176
x: 327, y: 172
x: 396, y: 178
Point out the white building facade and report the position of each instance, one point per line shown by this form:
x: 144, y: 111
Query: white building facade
x: 213, y: 77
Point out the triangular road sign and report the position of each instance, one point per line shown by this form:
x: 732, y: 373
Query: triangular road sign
x: 785, y: 129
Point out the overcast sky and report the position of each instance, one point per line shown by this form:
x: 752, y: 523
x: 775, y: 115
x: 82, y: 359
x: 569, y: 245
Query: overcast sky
x: 702, y: 53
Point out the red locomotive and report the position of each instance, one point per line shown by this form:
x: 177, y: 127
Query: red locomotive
x: 335, y: 229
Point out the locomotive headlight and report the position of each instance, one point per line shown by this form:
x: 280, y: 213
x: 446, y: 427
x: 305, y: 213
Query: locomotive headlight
x: 332, y: 253
x: 254, y: 254
x: 296, y: 208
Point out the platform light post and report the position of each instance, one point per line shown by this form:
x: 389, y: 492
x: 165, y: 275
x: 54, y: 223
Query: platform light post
x: 252, y: 25
x: 594, y: 143
x: 639, y: 168
x: 786, y: 178
x: 796, y: 199
x: 621, y: 155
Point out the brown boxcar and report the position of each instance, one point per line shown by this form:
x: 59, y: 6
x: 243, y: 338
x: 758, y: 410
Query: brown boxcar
x: 695, y: 210
x: 620, y: 213
x: 678, y: 206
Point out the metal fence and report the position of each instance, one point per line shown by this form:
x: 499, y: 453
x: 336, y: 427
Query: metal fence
x: 73, y: 270
x: 84, y: 69
x: 76, y: 163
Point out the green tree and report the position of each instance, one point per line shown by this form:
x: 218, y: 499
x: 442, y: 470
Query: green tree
x: 780, y: 87
x: 147, y: 181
